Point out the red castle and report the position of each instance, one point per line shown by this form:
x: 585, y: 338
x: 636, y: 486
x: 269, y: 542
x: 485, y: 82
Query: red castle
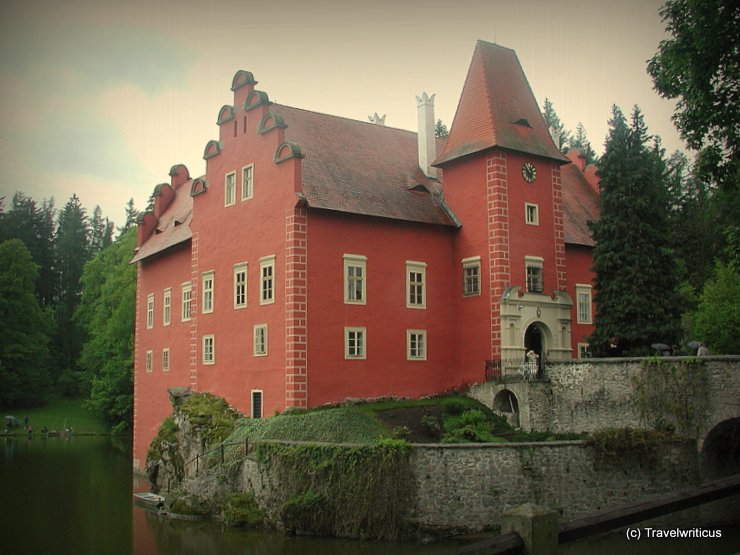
x: 321, y: 258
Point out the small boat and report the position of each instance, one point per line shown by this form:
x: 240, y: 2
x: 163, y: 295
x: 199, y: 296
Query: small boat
x: 149, y: 499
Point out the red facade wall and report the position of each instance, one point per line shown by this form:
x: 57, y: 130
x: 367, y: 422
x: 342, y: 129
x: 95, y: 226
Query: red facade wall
x: 151, y: 402
x: 579, y: 260
x: 465, y: 192
x: 385, y: 371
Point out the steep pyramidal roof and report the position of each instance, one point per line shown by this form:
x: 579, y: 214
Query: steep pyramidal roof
x: 497, y: 109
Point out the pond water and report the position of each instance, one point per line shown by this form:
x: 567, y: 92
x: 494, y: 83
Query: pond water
x: 74, y: 496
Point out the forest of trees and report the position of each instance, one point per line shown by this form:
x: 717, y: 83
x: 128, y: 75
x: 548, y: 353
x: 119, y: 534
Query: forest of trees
x: 65, y: 281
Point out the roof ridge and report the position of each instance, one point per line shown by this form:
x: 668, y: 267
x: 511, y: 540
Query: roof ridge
x: 344, y: 118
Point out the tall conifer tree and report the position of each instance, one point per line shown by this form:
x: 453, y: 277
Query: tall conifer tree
x: 72, y: 252
x: 636, y: 274
x: 581, y: 142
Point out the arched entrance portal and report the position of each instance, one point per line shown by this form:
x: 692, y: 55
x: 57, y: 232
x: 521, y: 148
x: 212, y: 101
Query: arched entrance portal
x: 506, y: 403
x: 534, y: 341
x: 720, y: 454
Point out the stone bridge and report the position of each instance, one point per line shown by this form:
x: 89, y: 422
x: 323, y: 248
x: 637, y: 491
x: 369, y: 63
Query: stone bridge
x: 587, y: 395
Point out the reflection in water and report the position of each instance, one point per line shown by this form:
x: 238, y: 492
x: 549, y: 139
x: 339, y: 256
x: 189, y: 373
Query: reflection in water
x: 74, y: 496
x: 65, y: 496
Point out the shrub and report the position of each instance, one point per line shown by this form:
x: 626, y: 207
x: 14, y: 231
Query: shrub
x: 241, y: 509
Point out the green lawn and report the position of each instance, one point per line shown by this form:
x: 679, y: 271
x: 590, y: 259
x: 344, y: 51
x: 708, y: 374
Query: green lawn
x: 57, y: 414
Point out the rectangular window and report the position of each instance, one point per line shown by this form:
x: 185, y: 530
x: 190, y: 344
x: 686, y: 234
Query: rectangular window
x: 354, y: 278
x: 149, y: 355
x: 535, y: 274
x: 230, y: 189
x: 583, y: 302
x: 583, y: 351
x: 416, y: 296
x: 248, y: 182
x: 150, y: 311
x: 267, y: 280
x: 260, y: 340
x: 165, y: 360
x: 240, y: 285
x: 354, y: 343
x: 531, y: 214
x: 209, y: 349
x: 167, y: 307
x: 416, y: 344
x: 256, y: 403
x: 471, y: 276
x: 187, y: 296
x: 208, y: 279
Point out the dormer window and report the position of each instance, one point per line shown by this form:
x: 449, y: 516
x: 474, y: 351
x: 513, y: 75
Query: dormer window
x: 523, y: 122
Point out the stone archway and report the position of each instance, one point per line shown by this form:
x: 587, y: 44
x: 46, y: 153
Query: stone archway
x: 720, y: 453
x: 506, y: 403
x: 536, y: 338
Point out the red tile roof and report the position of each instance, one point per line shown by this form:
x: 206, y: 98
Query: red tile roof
x: 173, y: 227
x: 497, y: 109
x: 580, y: 205
x: 362, y: 168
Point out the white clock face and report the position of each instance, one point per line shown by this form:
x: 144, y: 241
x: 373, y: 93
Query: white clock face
x: 529, y: 172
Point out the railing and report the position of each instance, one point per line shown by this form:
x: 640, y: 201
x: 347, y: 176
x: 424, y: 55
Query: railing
x: 513, y: 370
x: 220, y: 448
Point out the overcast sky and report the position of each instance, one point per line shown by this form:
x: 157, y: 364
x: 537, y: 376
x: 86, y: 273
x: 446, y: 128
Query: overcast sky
x: 101, y: 98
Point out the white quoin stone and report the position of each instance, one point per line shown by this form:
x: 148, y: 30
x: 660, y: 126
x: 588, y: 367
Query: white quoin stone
x: 427, y: 141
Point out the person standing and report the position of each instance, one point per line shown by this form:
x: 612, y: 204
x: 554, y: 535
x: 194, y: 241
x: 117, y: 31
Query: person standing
x: 702, y: 351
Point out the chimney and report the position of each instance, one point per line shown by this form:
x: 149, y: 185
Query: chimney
x: 427, y: 140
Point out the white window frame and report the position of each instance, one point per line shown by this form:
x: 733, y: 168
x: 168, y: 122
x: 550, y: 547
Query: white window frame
x: 240, y: 285
x: 186, y: 301
x: 583, y: 351
x: 260, y: 341
x: 208, y: 282
x: 351, y: 337
x: 415, y: 351
x: 531, y: 213
x: 166, y: 359
x: 262, y: 403
x: 209, y: 349
x: 581, y: 305
x: 267, y: 292
x: 150, y: 311
x: 412, y: 298
x: 149, y: 361
x: 247, y: 184
x: 230, y: 189
x: 167, y: 307
x: 470, y: 264
x: 534, y: 262
x: 351, y: 263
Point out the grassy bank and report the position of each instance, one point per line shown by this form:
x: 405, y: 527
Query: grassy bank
x: 56, y: 415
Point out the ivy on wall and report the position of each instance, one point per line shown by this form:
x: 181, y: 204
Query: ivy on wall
x: 672, y: 394
x: 343, y: 491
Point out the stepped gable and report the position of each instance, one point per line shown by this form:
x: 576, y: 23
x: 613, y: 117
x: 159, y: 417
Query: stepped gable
x: 580, y: 205
x: 173, y: 227
x: 362, y: 168
x: 497, y: 109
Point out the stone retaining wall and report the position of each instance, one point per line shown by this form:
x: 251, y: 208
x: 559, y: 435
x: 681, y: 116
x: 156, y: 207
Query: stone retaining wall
x: 467, y: 487
x: 591, y: 394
